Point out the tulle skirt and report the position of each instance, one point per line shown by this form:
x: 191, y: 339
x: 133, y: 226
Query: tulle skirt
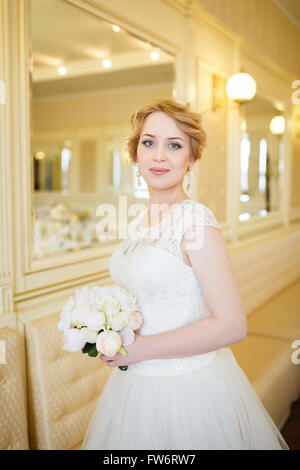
x: 213, y: 408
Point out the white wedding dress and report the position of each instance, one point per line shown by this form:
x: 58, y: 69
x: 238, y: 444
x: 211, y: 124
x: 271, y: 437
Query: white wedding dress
x: 192, y: 403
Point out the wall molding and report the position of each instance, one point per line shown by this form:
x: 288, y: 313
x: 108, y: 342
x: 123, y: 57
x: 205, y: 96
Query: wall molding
x: 6, y: 207
x: 223, y: 32
x: 6, y: 300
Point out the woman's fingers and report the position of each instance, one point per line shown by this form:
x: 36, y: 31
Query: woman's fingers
x: 111, y: 361
x: 105, y: 358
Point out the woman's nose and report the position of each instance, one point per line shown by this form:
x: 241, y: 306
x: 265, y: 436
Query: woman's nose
x: 159, y: 153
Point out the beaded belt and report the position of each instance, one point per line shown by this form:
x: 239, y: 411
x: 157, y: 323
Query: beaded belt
x: 174, y: 366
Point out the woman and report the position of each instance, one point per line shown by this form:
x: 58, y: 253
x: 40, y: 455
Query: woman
x: 183, y: 388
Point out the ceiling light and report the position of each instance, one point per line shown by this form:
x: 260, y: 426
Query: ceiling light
x: 116, y: 28
x: 106, y: 63
x: 62, y: 70
x: 154, y: 55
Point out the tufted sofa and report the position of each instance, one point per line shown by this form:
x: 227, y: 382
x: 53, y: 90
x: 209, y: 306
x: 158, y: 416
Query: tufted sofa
x: 13, y: 413
x: 63, y: 387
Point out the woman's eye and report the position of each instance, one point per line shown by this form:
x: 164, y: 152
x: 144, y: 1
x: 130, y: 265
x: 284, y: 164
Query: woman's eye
x: 150, y: 143
x: 176, y: 146
x: 145, y: 142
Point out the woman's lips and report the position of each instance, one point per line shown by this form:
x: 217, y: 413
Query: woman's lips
x: 159, y: 172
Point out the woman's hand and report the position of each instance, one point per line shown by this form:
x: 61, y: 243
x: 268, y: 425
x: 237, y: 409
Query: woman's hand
x: 135, y: 353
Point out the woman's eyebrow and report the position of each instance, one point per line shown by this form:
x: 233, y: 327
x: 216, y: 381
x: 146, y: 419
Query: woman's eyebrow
x: 169, y: 138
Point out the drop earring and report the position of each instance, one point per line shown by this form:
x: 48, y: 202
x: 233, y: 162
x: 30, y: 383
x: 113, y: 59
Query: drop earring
x: 138, y: 174
x: 189, y: 180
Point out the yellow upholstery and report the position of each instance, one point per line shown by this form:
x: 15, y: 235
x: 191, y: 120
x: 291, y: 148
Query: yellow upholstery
x: 13, y: 418
x: 280, y: 316
x: 267, y: 363
x: 63, y: 387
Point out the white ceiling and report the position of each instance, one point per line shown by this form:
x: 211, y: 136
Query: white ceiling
x: 62, y: 34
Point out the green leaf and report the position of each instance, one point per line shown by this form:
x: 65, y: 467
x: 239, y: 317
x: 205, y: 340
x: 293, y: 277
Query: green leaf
x: 90, y: 349
x: 103, y: 308
x: 105, y: 325
x: 122, y: 351
x: 93, y: 352
x: 86, y: 348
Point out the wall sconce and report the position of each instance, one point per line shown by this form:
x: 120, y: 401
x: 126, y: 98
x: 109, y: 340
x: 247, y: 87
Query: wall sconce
x: 217, y: 92
x: 39, y: 155
x: 277, y: 125
x: 241, y: 88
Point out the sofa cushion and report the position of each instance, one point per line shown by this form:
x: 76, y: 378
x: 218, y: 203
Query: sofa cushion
x: 280, y: 316
x: 267, y: 362
x: 13, y: 416
x: 63, y: 387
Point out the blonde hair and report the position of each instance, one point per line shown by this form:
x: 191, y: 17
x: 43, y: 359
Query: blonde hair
x: 187, y: 121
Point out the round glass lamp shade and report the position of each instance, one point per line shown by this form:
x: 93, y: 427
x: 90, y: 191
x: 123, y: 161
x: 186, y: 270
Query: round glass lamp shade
x: 277, y: 125
x: 241, y: 87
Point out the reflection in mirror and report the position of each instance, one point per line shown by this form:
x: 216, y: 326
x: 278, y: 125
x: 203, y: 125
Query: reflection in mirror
x: 261, y: 158
x: 87, y: 77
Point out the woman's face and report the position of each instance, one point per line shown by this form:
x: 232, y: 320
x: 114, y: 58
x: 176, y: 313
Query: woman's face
x: 163, y: 145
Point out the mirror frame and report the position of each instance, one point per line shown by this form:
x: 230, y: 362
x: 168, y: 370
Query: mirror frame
x: 35, y: 272
x: 258, y: 225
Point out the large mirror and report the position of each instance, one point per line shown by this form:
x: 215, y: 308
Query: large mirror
x: 87, y: 77
x: 261, y: 158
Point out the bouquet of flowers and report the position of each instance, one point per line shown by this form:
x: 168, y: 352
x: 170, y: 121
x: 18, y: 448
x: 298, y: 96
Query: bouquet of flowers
x: 100, y: 320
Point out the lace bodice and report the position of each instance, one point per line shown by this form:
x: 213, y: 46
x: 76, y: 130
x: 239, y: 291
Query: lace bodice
x: 151, y: 265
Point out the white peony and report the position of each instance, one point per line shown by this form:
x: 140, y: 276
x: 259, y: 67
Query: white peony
x: 118, y: 321
x: 108, y: 343
x: 73, y: 340
x: 85, y: 303
x: 127, y: 335
x: 95, y: 320
x: 88, y: 335
x: 113, y: 306
x: 65, y: 321
x: 78, y: 315
x: 65, y: 318
x: 135, y: 320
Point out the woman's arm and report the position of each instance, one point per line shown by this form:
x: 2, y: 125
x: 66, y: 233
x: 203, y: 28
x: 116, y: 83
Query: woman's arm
x: 211, y: 263
x: 210, y: 260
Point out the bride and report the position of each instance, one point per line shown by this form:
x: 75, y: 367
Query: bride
x: 183, y: 388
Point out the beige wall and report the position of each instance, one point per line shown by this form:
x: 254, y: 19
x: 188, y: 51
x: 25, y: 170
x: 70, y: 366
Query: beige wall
x: 114, y: 107
x: 295, y: 173
x: 264, y: 25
